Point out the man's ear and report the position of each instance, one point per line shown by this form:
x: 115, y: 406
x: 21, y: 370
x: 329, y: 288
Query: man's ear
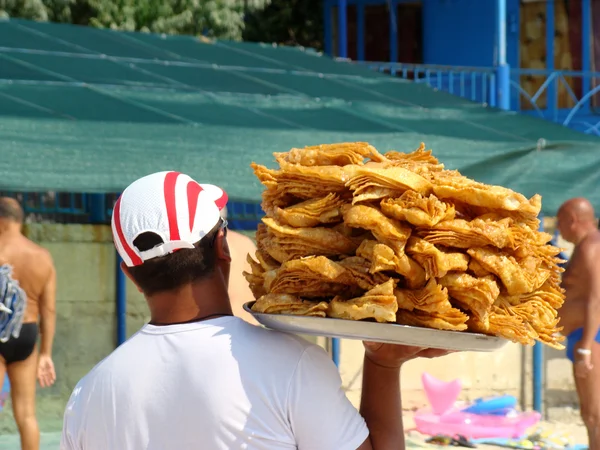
x: 125, y: 270
x: 223, y: 246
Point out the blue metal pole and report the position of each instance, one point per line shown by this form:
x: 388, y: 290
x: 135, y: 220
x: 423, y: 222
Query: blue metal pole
x: 502, y: 68
x: 551, y: 90
x: 586, y: 45
x: 342, y: 29
x: 121, y: 300
x: 360, y: 31
x: 97, y: 208
x: 538, y: 362
x: 335, y: 351
x: 393, y: 33
x: 342, y: 53
x: 328, y: 25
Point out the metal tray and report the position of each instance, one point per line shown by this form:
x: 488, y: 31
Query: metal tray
x: 379, y: 332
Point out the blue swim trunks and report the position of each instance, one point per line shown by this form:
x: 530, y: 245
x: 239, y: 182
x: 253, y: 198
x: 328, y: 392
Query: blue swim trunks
x: 572, y: 341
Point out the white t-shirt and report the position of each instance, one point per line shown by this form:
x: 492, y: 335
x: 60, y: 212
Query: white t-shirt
x: 213, y: 385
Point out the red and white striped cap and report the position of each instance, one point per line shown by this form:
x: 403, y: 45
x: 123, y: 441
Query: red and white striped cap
x: 170, y: 204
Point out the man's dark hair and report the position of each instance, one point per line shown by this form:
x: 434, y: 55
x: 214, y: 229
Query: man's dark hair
x: 172, y: 271
x: 10, y: 209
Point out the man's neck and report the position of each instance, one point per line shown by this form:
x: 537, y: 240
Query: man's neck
x: 191, y: 303
x: 9, y: 228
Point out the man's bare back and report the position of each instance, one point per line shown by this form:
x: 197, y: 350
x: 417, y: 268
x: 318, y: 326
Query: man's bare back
x: 32, y: 267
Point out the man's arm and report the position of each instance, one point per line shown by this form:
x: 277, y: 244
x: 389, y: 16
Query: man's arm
x: 591, y: 255
x: 321, y: 416
x: 48, y: 313
x: 381, y: 404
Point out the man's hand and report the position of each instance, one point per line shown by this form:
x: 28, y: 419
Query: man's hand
x: 393, y: 356
x: 46, y: 374
x: 583, y: 366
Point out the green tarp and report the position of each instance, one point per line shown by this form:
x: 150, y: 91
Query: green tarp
x: 89, y: 110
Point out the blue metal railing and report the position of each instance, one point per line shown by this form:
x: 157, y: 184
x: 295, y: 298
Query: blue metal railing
x: 571, y: 98
x: 71, y: 207
x: 476, y: 84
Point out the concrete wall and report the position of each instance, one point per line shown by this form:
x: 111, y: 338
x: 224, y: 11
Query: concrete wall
x: 86, y: 333
x: 86, y: 328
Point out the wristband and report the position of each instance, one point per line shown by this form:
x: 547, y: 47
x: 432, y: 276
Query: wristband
x: 584, y: 351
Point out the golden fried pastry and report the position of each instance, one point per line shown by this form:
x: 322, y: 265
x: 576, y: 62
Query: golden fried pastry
x: 393, y: 181
x: 436, y: 262
x: 300, y: 242
x: 451, y: 320
x: 289, y: 304
x: 451, y: 185
x: 379, y: 303
x: 314, y: 276
x: 518, y: 276
x: 356, y: 235
x: 311, y: 213
x: 476, y: 295
x: 358, y: 273
x: 388, y: 231
x: 383, y: 258
x: 477, y: 269
x: 341, y: 154
x: 417, y: 210
x: 468, y: 234
x: 300, y: 181
x: 504, y: 325
x: 420, y: 155
x: 255, y: 278
x: 432, y: 298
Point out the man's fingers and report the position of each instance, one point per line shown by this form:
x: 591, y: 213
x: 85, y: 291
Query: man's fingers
x: 433, y: 353
x: 372, y: 345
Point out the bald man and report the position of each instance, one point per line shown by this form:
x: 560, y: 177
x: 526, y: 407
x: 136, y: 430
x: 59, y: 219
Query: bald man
x: 580, y: 315
x: 29, y: 270
x: 239, y: 291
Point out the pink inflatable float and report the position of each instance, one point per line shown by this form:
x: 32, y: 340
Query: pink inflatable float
x: 444, y: 418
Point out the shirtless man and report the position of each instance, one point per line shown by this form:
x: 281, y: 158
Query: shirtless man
x: 239, y: 291
x: 33, y: 268
x: 580, y: 315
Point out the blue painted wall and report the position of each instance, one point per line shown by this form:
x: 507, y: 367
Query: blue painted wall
x: 459, y: 32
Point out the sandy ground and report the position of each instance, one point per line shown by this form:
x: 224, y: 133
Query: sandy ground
x: 563, y: 422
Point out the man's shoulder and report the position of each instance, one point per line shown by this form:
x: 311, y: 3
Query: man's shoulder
x: 275, y: 339
x: 590, y: 247
x: 36, y: 251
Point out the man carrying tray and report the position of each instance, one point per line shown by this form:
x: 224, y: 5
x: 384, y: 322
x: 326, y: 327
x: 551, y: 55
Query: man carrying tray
x: 198, y: 377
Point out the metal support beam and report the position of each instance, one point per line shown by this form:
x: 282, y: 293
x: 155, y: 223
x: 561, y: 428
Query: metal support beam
x: 502, y: 68
x: 586, y: 45
x: 342, y: 53
x: 328, y: 27
x: 97, y: 208
x: 393, y: 32
x: 342, y: 29
x: 360, y: 31
x: 538, y: 363
x: 335, y: 351
x: 551, y: 90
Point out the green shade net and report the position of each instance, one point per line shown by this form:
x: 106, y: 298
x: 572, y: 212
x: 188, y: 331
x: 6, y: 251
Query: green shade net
x: 88, y: 110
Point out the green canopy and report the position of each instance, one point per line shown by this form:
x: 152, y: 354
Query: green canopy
x: 89, y: 110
